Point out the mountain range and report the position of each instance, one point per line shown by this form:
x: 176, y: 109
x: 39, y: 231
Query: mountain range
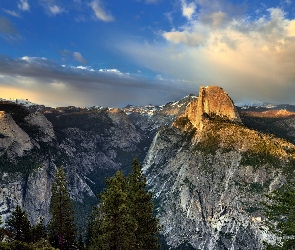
x: 208, y: 163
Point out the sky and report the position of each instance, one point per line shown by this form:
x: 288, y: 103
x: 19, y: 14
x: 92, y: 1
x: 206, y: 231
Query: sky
x: 118, y: 52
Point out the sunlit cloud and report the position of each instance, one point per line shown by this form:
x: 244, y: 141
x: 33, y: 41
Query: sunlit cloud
x: 100, y: 12
x: 188, y: 9
x: 252, y: 57
x: 60, y: 85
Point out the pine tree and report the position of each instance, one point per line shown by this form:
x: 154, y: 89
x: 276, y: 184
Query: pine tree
x: 39, y: 231
x: 62, y: 230
x: 113, y: 228
x: 280, y: 212
x: 141, y: 209
x: 124, y: 218
x: 19, y: 226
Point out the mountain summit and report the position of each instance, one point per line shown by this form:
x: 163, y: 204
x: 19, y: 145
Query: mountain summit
x: 212, y: 102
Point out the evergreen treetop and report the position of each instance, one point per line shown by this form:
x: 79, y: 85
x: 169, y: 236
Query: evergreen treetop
x: 18, y: 225
x: 124, y: 218
x: 62, y: 229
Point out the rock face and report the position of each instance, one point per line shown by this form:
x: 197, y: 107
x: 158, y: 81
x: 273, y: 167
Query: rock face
x: 13, y: 140
x: 212, y: 102
x: 208, y: 172
x: 90, y: 144
x: 38, y: 120
x: 209, y: 177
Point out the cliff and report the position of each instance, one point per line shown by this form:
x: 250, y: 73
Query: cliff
x: 212, y: 102
x: 209, y: 174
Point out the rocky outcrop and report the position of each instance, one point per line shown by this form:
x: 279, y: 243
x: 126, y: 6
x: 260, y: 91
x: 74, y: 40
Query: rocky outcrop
x: 13, y: 140
x: 212, y: 102
x: 207, y: 171
x: 209, y: 176
x: 38, y: 120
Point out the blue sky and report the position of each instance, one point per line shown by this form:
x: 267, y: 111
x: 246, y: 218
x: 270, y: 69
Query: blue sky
x: 114, y: 53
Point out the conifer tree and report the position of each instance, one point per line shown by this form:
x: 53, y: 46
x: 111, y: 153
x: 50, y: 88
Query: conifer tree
x: 39, y: 231
x: 141, y: 208
x: 124, y: 218
x: 280, y: 212
x: 19, y: 226
x: 114, y: 227
x: 62, y: 230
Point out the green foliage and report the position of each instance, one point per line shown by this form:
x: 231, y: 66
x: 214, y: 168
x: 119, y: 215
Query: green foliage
x: 18, y: 245
x: 281, y: 216
x: 182, y: 121
x: 210, y: 144
x: 141, y: 209
x: 38, y: 231
x: 267, y: 125
x: 124, y: 218
x: 115, y: 224
x: 62, y: 230
x: 19, y: 226
x: 25, y: 164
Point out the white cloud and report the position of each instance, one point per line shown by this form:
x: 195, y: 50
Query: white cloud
x: 77, y: 56
x: 188, y: 10
x: 12, y: 13
x: 115, y: 71
x: 100, y: 12
x: 23, y: 5
x: 251, y: 57
x: 54, y: 10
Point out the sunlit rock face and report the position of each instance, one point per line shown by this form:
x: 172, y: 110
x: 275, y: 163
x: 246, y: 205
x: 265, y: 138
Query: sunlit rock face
x: 209, y: 174
x: 212, y: 102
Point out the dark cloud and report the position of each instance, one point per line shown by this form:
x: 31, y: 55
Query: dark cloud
x: 76, y: 86
x: 6, y: 27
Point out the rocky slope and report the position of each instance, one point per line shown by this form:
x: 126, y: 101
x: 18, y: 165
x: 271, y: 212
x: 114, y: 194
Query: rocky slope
x: 207, y: 162
x: 90, y: 143
x: 209, y: 180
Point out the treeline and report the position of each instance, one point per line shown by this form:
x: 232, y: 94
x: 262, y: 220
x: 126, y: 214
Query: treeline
x: 122, y: 220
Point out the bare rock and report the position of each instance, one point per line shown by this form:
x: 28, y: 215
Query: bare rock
x: 39, y: 120
x: 13, y: 140
x: 212, y: 102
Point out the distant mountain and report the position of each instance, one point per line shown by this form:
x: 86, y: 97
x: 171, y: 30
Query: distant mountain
x: 90, y: 143
x: 207, y: 162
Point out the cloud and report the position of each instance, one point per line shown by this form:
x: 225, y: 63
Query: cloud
x: 186, y: 37
x: 79, y: 57
x: 12, y: 13
x: 23, y: 5
x: 55, y: 85
x: 99, y: 11
x: 51, y: 7
x: 7, y: 30
x: 188, y: 9
x: 250, y: 56
x: 54, y: 10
